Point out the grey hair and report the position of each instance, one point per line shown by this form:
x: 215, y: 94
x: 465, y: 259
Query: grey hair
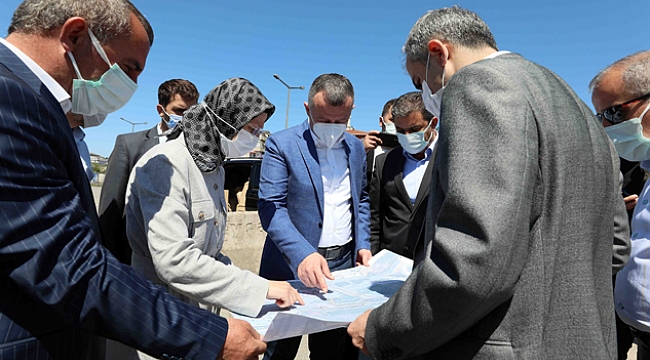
x: 635, y: 73
x: 337, y: 89
x: 409, y: 103
x: 454, y: 25
x: 107, y: 19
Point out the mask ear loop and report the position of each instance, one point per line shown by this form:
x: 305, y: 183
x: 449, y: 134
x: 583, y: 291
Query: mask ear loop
x: 99, y: 48
x: 205, y: 105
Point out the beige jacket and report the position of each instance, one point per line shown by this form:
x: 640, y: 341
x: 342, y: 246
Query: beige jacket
x: 175, y: 223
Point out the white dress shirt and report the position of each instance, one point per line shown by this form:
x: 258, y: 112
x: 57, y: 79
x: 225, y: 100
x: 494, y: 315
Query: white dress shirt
x: 335, y: 174
x: 414, y: 170
x: 162, y: 138
x: 632, y: 290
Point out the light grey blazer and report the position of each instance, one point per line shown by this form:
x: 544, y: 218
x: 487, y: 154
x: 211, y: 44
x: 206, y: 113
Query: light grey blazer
x: 175, y: 223
x: 516, y: 262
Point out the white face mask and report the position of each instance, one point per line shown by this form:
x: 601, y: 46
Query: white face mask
x: 104, y: 96
x: 390, y: 128
x: 93, y: 120
x: 244, y: 143
x: 414, y: 143
x: 629, y: 140
x: 328, y: 134
x: 432, y: 102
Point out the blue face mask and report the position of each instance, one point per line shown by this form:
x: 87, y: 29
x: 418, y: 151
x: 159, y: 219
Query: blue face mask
x: 173, y: 120
x: 390, y: 128
x: 414, y: 143
x: 628, y: 138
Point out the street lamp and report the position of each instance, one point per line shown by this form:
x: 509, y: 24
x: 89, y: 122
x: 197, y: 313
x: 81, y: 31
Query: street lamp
x: 133, y: 124
x: 289, y: 88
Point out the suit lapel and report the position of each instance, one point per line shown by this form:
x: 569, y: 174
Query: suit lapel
x: 77, y: 174
x: 399, y: 178
x: 310, y: 157
x: 150, y: 139
x: 423, y: 191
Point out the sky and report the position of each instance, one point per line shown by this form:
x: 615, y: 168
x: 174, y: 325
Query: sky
x: 208, y: 42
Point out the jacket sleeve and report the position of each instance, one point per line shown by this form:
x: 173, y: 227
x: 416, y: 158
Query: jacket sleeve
x: 111, y: 202
x: 362, y: 237
x: 272, y: 206
x: 156, y: 201
x: 472, y: 265
x: 622, y: 244
x: 49, y: 251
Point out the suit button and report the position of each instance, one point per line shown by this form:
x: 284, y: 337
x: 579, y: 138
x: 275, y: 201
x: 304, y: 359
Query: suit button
x: 320, y: 225
x: 406, y: 248
x: 201, y: 215
x: 216, y: 186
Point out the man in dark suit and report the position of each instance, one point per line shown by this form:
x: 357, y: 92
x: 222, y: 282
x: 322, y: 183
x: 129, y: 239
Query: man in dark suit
x: 516, y: 260
x: 400, y: 185
x: 174, y: 98
x: 60, y: 287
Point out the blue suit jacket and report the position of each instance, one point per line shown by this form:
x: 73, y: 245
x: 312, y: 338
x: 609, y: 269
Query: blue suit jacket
x: 58, y: 284
x: 291, y: 200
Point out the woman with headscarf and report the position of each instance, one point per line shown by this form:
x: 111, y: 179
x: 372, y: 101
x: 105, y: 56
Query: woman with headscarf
x: 176, y: 209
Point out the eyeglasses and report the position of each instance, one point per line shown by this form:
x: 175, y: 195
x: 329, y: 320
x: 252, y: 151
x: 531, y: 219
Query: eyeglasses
x: 613, y: 114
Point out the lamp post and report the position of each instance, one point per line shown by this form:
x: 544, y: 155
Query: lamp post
x: 133, y: 124
x: 289, y: 88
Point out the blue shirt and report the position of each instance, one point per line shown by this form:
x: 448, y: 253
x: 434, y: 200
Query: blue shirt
x: 414, y: 170
x: 82, y: 147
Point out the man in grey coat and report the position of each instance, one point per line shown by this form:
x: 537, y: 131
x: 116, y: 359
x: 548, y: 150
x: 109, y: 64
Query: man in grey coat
x: 516, y: 260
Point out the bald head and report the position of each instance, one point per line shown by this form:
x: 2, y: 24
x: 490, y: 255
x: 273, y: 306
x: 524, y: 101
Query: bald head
x: 627, y: 78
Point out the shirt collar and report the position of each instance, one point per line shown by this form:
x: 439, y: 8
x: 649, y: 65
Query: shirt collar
x: 495, y: 54
x: 54, y: 87
x: 427, y: 153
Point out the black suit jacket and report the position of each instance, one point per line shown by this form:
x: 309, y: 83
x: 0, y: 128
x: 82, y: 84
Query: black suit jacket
x: 58, y: 285
x: 129, y: 148
x: 395, y: 222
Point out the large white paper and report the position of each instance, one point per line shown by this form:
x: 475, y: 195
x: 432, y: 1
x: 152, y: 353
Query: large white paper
x: 351, y: 293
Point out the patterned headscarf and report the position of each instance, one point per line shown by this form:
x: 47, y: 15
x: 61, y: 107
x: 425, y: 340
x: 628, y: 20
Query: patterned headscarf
x: 236, y: 101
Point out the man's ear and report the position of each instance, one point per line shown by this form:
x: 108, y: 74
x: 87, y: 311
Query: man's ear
x: 439, y: 52
x: 306, y: 107
x: 73, y: 33
x: 160, y: 109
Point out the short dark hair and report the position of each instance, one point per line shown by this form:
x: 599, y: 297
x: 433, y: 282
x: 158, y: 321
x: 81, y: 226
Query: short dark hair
x: 410, y: 103
x: 389, y: 104
x: 169, y: 88
x: 337, y: 89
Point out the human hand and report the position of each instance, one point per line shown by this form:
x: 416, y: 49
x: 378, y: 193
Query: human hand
x: 283, y: 294
x: 357, y: 331
x: 313, y: 270
x: 242, y: 342
x: 363, y: 257
x: 371, y: 140
x: 630, y: 201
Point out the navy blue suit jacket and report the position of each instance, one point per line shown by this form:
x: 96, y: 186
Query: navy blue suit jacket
x: 291, y: 200
x: 58, y: 284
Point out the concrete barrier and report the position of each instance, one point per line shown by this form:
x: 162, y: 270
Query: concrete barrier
x: 244, y: 240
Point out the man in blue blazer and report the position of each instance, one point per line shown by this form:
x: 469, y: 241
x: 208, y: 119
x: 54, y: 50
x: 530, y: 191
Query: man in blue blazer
x: 314, y: 204
x: 60, y: 288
